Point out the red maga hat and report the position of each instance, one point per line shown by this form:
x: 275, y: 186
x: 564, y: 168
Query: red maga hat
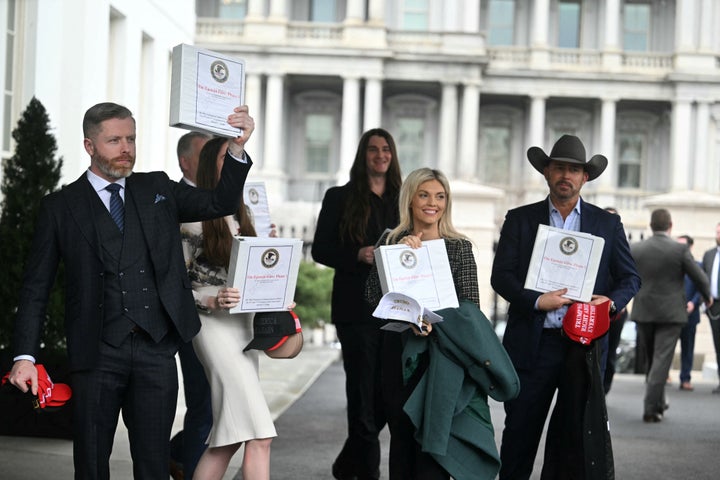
x: 584, y: 323
x: 49, y: 394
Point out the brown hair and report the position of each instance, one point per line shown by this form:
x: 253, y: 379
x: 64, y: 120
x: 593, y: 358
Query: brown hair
x: 217, y: 237
x: 357, y: 205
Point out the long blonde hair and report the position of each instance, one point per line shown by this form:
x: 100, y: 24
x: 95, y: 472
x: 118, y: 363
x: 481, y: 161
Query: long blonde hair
x: 408, y: 190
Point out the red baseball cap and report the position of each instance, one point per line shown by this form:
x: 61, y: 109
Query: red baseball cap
x: 49, y: 394
x: 584, y: 323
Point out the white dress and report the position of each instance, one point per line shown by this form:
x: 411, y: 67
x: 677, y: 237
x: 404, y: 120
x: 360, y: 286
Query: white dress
x: 240, y: 411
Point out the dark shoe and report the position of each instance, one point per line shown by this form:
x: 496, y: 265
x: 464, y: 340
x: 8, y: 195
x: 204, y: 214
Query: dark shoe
x: 687, y: 386
x: 652, y: 418
x: 716, y: 389
x: 176, y: 470
x: 337, y: 474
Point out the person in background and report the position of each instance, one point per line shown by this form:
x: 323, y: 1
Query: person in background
x: 426, y: 214
x: 613, y: 338
x: 711, y: 266
x: 546, y: 360
x: 188, y: 154
x: 188, y: 444
x: 351, y: 220
x: 687, y: 334
x: 240, y: 413
x: 660, y: 307
x: 128, y: 307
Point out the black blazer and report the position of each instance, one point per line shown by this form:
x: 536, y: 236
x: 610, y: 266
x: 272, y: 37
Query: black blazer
x: 617, y: 277
x: 348, y: 304
x: 65, y: 231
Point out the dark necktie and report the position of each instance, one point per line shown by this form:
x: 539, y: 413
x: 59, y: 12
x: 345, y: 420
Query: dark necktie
x: 117, y: 207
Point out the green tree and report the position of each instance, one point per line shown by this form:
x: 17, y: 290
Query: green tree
x: 312, y: 294
x: 30, y: 174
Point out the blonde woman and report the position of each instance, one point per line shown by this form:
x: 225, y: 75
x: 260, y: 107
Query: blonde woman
x: 425, y: 214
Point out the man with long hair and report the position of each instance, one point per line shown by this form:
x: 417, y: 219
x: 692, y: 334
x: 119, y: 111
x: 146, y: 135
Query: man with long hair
x: 352, y: 219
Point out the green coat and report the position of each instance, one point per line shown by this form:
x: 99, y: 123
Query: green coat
x: 449, y: 405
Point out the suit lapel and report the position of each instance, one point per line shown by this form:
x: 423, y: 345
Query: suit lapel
x: 588, y: 221
x: 79, y: 198
x: 143, y: 201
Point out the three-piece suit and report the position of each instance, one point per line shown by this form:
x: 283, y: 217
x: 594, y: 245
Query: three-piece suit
x: 128, y: 306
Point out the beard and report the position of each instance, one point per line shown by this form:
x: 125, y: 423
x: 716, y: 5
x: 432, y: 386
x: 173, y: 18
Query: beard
x: 105, y: 165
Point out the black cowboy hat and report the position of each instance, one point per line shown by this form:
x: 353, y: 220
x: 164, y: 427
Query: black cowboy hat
x: 568, y: 149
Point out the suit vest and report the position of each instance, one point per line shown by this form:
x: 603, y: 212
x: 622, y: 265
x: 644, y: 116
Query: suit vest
x: 130, y: 294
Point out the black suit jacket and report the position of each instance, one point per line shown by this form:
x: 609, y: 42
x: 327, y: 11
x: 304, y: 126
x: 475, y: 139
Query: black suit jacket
x: 707, y: 262
x: 617, y: 277
x: 65, y: 231
x: 348, y: 304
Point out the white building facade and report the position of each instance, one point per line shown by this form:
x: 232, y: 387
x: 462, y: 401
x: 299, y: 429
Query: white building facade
x: 72, y: 54
x: 465, y: 86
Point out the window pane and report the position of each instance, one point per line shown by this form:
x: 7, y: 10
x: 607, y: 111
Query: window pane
x: 232, y: 9
x: 318, y: 138
x: 632, y: 153
x: 323, y: 11
x: 636, y: 26
x: 501, y: 18
x: 496, y: 155
x: 410, y: 142
x: 415, y: 15
x: 569, y: 24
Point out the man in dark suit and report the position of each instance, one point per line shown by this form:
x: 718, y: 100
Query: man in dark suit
x: 188, y: 444
x: 545, y: 359
x: 660, y: 307
x: 128, y: 304
x: 711, y: 266
x: 687, y: 334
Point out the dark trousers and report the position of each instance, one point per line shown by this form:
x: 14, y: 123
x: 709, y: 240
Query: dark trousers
x: 188, y: 445
x: 613, y: 339
x: 407, y: 460
x: 139, y: 378
x: 660, y: 340
x: 715, y: 327
x: 360, y: 455
x: 525, y: 415
x: 687, y: 347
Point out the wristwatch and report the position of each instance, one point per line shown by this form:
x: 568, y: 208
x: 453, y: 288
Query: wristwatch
x: 613, y: 308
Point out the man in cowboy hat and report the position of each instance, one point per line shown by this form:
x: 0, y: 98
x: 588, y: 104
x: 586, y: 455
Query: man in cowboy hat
x: 546, y: 360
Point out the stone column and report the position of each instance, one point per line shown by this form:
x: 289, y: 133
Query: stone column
x: 608, y: 180
x: 539, y: 33
x: 611, y: 52
x: 279, y: 9
x: 253, y: 99
x: 256, y: 9
x: 467, y: 163
x: 536, y: 135
x: 685, y: 26
x: 350, y: 127
x: 355, y: 13
x: 272, y: 161
x: 700, y: 167
x: 447, y: 156
x: 679, y: 153
x: 539, y: 53
x: 372, y: 115
x: 707, y: 25
x: 376, y: 11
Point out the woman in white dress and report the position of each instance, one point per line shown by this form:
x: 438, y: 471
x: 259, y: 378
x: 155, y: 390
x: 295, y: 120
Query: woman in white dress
x: 240, y: 411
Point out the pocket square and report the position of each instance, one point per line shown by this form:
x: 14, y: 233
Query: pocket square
x: 159, y: 198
